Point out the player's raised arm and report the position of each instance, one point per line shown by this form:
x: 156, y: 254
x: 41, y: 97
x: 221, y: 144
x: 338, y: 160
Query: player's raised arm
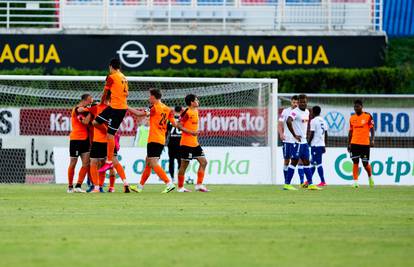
x: 172, y: 120
x: 87, y: 119
x: 138, y: 113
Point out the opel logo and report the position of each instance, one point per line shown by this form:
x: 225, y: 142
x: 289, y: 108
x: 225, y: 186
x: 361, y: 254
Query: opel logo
x: 336, y: 121
x: 132, y: 54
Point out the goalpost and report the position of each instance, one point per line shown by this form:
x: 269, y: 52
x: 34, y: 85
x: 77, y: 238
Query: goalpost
x: 238, y: 123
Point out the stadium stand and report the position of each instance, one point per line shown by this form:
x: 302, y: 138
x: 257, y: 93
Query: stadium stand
x: 228, y: 15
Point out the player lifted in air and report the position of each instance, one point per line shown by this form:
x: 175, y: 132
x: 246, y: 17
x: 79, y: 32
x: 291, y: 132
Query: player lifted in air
x: 189, y: 146
x: 117, y: 85
x: 361, y: 125
x: 159, y: 115
x: 297, y: 123
x: 317, y: 141
x: 79, y: 144
x: 98, y: 154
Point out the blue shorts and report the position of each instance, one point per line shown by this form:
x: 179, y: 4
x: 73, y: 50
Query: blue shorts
x: 301, y: 151
x: 288, y: 150
x: 317, y: 152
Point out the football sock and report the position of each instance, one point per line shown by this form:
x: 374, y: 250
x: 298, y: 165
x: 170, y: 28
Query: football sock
x: 301, y: 174
x: 161, y: 173
x: 313, y: 168
x: 112, y: 180
x: 369, y: 170
x: 145, y: 174
x: 121, y: 173
x: 355, y: 170
x: 82, y: 173
x: 171, y: 167
x: 101, y: 179
x: 94, y: 174
x: 180, y: 181
x: 321, y: 173
x: 308, y: 173
x: 71, y: 173
x: 285, y: 170
x: 289, y: 174
x: 200, y: 177
x: 89, y: 176
x: 110, y: 150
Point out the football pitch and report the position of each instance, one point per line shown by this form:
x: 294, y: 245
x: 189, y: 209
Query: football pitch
x: 41, y: 225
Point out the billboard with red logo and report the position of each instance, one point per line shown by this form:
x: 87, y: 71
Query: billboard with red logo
x: 222, y: 122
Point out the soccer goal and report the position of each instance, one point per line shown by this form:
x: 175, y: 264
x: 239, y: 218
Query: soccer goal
x: 238, y: 120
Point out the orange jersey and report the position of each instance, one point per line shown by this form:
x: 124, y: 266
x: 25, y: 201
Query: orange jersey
x: 360, y: 127
x: 99, y: 135
x: 189, y: 120
x: 118, y: 85
x: 159, y: 114
x: 79, y: 130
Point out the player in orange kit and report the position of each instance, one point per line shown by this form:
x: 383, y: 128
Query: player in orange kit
x: 159, y: 115
x: 361, y: 125
x: 189, y: 146
x: 117, y: 85
x: 79, y: 144
x: 98, y: 154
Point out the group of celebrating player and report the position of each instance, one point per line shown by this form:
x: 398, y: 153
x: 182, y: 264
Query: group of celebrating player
x: 100, y: 123
x: 293, y: 128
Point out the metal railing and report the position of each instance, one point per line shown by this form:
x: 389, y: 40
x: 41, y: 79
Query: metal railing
x: 261, y: 15
x: 21, y: 14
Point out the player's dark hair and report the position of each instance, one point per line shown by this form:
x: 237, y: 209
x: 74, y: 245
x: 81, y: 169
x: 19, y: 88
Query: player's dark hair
x: 156, y: 93
x: 316, y: 111
x: 358, y: 102
x: 302, y: 96
x: 85, y: 96
x: 115, y: 63
x: 294, y: 97
x: 178, y: 108
x: 189, y: 98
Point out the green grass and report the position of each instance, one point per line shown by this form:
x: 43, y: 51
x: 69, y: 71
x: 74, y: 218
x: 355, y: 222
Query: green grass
x: 41, y: 225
